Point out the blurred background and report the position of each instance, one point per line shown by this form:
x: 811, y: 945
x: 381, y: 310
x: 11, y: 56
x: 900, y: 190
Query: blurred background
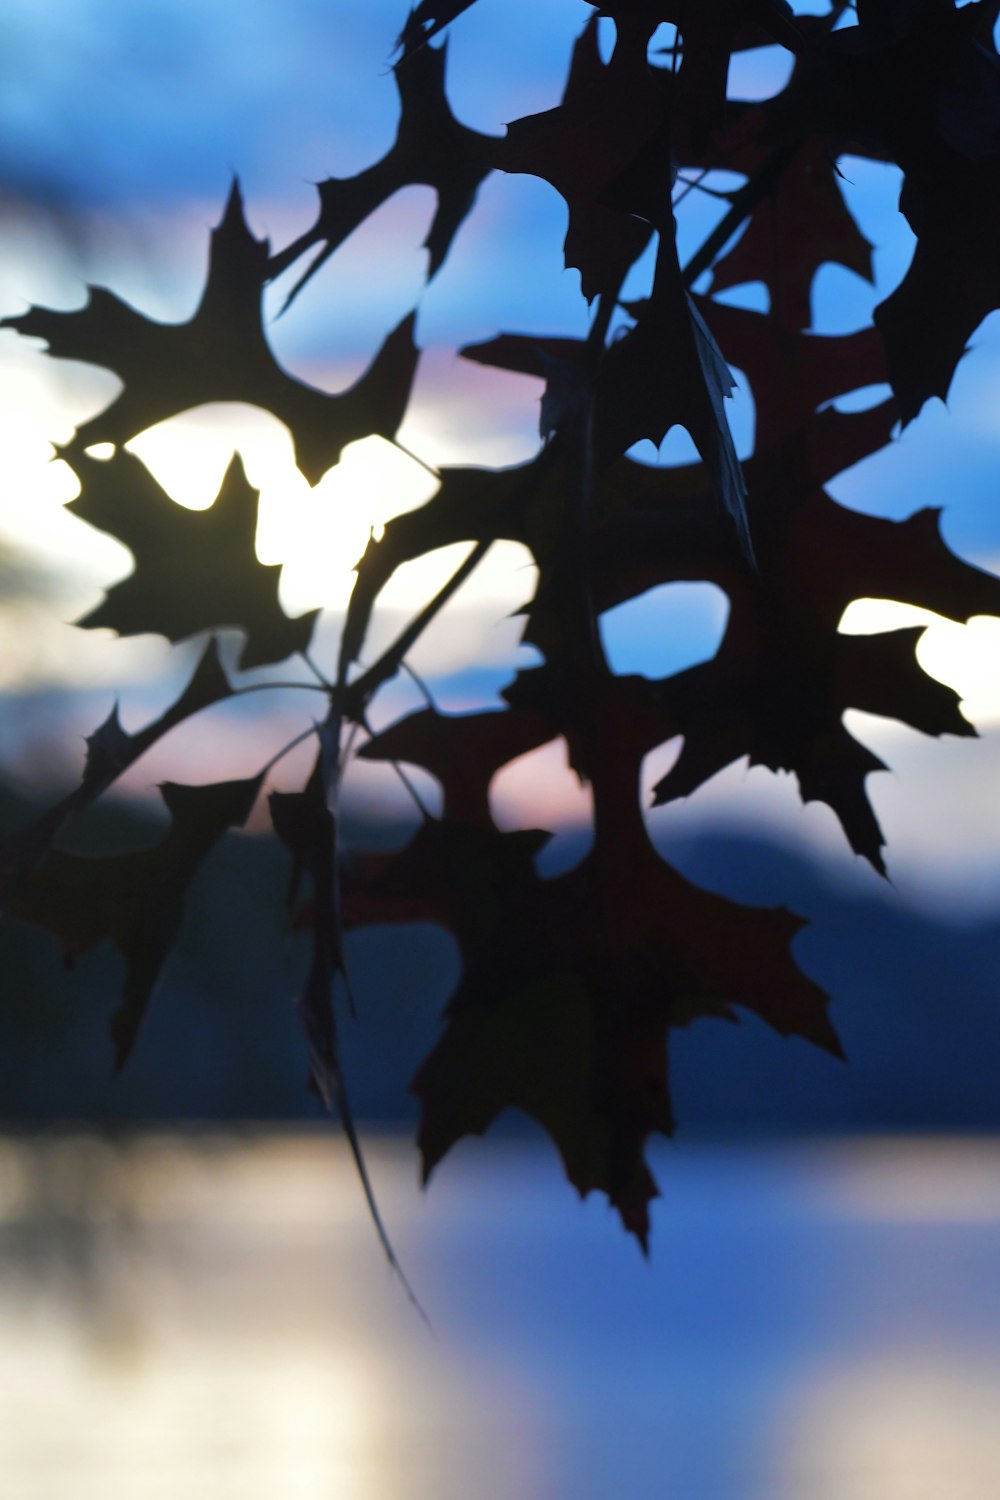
x: 192, y: 1299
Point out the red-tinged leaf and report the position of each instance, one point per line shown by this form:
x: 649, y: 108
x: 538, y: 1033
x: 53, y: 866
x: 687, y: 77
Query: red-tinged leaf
x: 640, y: 394
x: 594, y: 1079
x: 890, y: 85
x: 431, y: 148
x: 837, y: 440
x: 872, y: 558
x: 609, y: 113
x: 637, y: 393
x: 221, y: 354
x: 781, y: 712
x: 135, y: 900
x: 778, y: 687
x: 570, y: 984
x: 711, y: 30
x: 194, y: 569
x: 792, y: 373
x: 565, y: 1000
x: 798, y: 227
x: 463, y: 751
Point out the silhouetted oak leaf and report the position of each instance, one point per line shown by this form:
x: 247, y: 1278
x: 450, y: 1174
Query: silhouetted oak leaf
x: 609, y: 113
x: 640, y: 393
x: 521, y: 503
x: 463, y: 751
x: 135, y: 900
x: 110, y: 751
x: 194, y: 569
x: 791, y: 373
x: 880, y: 674
x: 431, y: 148
x: 221, y: 354
x: 889, y: 87
x: 568, y: 988
x: 711, y: 30
x: 777, y: 689
x: 953, y: 281
x: 570, y: 984
x: 794, y: 230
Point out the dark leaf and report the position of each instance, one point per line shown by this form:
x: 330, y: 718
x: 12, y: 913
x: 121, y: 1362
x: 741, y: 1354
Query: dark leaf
x: 953, y: 281
x: 711, y: 30
x: 608, y: 115
x: 221, y: 354
x: 799, y: 226
x: 194, y: 569
x: 570, y: 984
x: 464, y: 752
x: 792, y: 373
x: 110, y: 751
x: 642, y: 394
x: 431, y: 148
x: 426, y: 20
x: 783, y: 677
x: 135, y: 900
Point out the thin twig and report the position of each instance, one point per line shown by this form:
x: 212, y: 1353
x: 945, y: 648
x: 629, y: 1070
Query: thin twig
x: 356, y: 695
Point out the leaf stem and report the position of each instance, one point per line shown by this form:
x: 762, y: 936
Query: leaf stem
x: 356, y: 695
x: 434, y: 473
x: 744, y: 201
x: 311, y: 664
x: 268, y: 687
x: 286, y: 749
x: 419, y: 683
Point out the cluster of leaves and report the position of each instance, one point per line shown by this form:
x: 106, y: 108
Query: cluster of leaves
x: 570, y: 985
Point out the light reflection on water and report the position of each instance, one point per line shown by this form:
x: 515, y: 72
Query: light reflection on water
x: 209, y: 1316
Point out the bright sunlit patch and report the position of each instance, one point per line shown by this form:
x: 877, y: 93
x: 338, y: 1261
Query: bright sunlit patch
x: 947, y: 1181
x: 37, y: 410
x: 913, y: 1425
x: 966, y: 657
x: 318, y: 534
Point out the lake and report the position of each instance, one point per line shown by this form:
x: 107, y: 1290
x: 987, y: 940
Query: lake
x: 209, y: 1315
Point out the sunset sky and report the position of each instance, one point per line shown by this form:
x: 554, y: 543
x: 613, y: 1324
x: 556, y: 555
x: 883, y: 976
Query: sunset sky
x: 120, y: 129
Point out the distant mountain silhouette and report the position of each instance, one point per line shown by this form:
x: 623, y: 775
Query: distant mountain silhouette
x: 914, y: 1000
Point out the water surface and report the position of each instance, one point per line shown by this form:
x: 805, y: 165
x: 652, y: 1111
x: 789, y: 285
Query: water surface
x: 209, y: 1315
